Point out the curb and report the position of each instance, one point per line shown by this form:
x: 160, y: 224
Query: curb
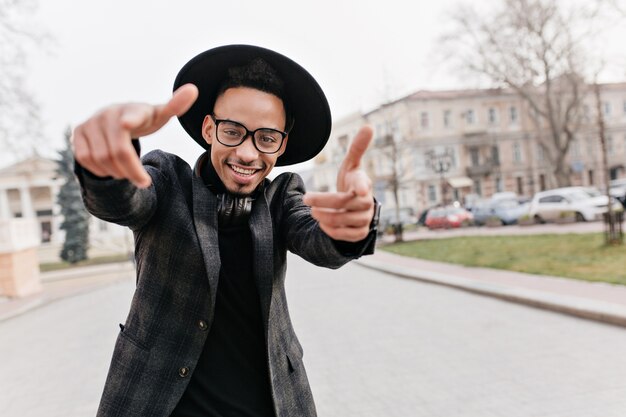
x: 600, y: 311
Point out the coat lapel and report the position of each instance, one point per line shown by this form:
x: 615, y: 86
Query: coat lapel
x: 205, y: 220
x: 263, y: 242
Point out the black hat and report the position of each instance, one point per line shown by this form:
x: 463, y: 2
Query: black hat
x: 306, y: 100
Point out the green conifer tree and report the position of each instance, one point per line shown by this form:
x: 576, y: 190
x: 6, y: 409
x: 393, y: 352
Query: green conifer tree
x: 76, y: 217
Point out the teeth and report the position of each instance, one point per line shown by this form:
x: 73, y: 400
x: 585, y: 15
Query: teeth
x: 242, y: 171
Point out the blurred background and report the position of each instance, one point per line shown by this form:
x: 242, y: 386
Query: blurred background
x: 503, y: 120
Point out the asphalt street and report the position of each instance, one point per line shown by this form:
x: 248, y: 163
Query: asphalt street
x: 375, y: 345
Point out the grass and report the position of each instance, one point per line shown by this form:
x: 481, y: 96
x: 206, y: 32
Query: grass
x: 55, y: 266
x: 579, y: 256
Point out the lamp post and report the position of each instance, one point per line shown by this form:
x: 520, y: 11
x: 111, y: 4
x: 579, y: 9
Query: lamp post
x: 441, y: 163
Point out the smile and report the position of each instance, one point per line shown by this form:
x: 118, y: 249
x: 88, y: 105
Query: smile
x: 242, y: 171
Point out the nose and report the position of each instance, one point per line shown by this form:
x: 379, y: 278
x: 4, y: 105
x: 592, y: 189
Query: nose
x: 247, y: 151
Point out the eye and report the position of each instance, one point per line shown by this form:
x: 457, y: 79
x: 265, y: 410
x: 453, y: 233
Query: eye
x: 268, y: 137
x: 231, y: 132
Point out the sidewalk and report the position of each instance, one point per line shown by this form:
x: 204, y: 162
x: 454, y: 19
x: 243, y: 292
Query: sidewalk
x: 591, y: 300
x: 66, y: 283
x: 596, y: 301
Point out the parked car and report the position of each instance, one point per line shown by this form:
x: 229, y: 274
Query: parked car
x: 448, y: 217
x: 507, y: 210
x: 549, y: 205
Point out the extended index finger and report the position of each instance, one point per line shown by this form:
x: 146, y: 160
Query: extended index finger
x: 359, y: 145
x: 336, y: 200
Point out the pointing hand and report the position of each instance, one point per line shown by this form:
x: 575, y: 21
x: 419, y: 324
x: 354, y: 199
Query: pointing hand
x: 102, y: 144
x: 346, y: 214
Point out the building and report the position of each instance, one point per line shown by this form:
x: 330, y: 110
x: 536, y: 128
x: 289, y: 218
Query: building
x: 467, y: 144
x: 29, y: 189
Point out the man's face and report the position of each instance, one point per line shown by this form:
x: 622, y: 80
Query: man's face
x: 242, y: 168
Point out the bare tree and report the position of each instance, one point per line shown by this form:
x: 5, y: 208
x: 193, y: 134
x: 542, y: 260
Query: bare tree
x: 535, y: 48
x: 388, y: 147
x: 20, y: 126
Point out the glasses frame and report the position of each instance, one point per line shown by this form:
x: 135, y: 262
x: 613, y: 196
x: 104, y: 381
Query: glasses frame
x: 249, y: 132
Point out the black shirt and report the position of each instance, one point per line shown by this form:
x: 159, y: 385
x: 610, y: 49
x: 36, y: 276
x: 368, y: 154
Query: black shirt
x: 231, y: 377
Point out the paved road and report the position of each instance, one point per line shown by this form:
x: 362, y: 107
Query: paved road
x: 375, y: 345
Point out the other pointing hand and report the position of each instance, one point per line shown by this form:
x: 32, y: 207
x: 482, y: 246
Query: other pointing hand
x: 346, y: 214
x: 102, y: 144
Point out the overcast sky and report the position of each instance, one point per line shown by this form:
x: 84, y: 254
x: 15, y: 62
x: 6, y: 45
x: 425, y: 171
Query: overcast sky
x: 360, y: 51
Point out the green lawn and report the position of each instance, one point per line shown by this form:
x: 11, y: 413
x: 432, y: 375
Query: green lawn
x: 580, y: 256
x: 55, y: 266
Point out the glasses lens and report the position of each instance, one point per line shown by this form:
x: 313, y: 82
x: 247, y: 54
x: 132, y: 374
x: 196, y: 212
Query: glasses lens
x: 230, y: 133
x: 268, y: 140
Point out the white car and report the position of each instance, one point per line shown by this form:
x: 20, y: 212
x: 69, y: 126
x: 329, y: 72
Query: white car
x: 548, y: 205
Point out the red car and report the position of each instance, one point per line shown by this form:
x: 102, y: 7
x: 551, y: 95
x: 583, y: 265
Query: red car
x: 448, y: 217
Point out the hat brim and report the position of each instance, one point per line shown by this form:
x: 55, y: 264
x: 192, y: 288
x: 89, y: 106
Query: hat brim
x: 306, y: 99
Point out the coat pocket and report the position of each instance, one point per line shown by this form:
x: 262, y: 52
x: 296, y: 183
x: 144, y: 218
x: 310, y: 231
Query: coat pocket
x: 132, y: 339
x: 123, y: 390
x: 294, y: 357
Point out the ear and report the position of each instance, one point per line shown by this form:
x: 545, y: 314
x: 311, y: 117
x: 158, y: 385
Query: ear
x: 207, y: 129
x: 283, y: 147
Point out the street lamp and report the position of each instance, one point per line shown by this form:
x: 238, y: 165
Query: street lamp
x: 441, y: 163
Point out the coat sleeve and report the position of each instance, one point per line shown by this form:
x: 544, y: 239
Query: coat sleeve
x: 119, y: 201
x: 304, y: 236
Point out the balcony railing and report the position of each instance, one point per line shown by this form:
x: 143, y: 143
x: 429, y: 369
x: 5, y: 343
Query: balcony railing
x: 485, y: 168
x: 18, y: 234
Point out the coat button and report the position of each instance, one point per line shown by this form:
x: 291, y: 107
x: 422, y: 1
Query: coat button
x: 203, y: 325
x: 183, y: 372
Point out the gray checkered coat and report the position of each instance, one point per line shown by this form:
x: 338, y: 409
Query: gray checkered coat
x: 175, y: 226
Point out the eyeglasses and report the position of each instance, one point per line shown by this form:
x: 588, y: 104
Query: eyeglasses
x: 231, y: 134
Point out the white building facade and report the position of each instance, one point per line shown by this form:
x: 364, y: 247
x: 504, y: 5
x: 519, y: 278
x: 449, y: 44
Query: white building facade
x: 29, y: 190
x: 469, y: 144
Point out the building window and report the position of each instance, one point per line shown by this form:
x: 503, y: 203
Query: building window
x: 540, y: 153
x: 477, y: 187
x: 432, y: 193
x: 499, y: 185
x: 424, y: 120
x: 447, y: 118
x: 493, y: 116
x: 379, y: 131
x: 513, y: 114
x: 624, y: 104
x: 452, y: 154
x: 475, y: 156
x: 590, y: 146
x: 609, y: 144
x: 520, y: 185
x: 517, y: 152
x: 542, y: 182
x: 607, y: 108
x: 470, y: 118
x: 495, y: 155
x: 343, y: 143
x: 590, y: 176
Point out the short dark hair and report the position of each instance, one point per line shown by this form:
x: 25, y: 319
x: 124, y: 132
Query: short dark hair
x: 260, y: 75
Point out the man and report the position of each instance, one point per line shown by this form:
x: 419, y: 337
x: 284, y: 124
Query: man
x: 208, y: 332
